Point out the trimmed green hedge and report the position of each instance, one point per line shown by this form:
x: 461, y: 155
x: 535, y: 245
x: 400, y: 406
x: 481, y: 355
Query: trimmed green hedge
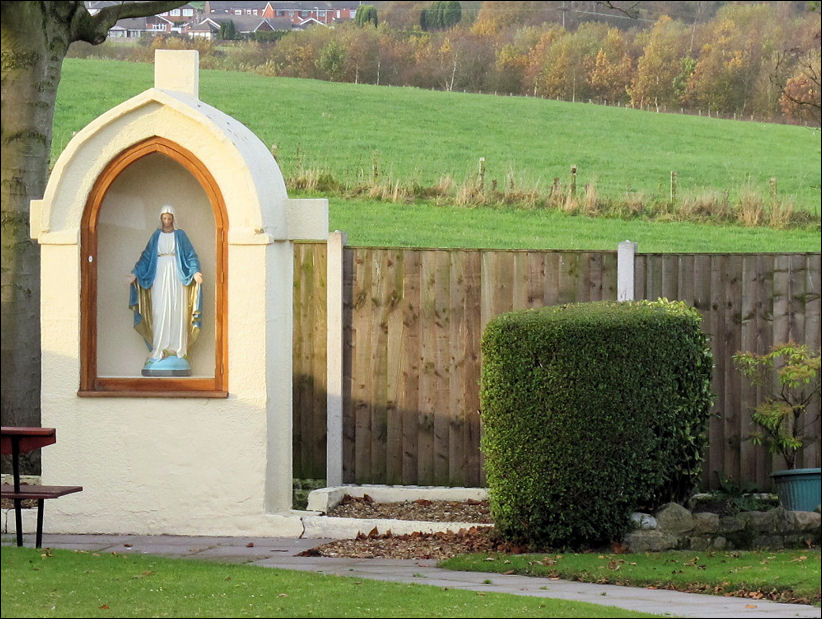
x: 589, y: 412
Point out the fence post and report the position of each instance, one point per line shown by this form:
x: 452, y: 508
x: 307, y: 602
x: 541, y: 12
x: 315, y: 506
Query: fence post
x: 626, y: 252
x: 481, y: 174
x: 573, y: 181
x: 334, y: 359
x: 673, y: 187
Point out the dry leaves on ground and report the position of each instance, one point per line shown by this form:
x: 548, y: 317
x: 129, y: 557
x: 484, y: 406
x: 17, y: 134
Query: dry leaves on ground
x: 383, y: 544
x: 422, y: 509
x: 412, y: 546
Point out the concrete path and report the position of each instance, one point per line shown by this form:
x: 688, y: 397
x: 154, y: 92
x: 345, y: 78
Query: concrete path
x: 281, y: 553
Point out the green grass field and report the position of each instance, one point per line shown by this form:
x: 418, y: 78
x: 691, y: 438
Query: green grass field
x: 384, y: 224
x: 425, y: 135
x: 424, y: 138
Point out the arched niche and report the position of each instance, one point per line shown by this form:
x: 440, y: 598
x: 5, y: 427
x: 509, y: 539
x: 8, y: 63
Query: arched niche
x: 120, y: 214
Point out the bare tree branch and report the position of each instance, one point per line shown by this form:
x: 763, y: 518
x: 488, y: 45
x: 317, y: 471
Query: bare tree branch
x: 94, y: 28
x: 631, y: 11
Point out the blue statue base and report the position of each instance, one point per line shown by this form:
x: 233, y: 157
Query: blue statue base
x: 170, y: 366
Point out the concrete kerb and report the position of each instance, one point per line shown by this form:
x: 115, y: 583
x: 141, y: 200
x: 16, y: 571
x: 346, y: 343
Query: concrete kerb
x: 313, y: 523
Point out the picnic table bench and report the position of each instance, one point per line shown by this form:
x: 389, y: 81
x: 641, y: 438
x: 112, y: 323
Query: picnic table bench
x: 17, y: 440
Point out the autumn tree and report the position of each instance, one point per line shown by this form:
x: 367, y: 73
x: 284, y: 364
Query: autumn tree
x: 733, y: 66
x: 797, y: 71
x: 509, y: 70
x: 659, y: 65
x: 494, y: 17
x: 422, y: 72
x: 537, y: 55
x: 402, y: 15
x: 568, y: 63
x: 298, y: 53
x: 362, y: 53
x: 332, y: 60
x: 613, y: 68
x: 35, y: 39
x: 800, y: 99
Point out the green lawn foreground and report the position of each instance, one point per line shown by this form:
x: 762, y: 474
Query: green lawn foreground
x: 66, y: 583
x: 784, y: 576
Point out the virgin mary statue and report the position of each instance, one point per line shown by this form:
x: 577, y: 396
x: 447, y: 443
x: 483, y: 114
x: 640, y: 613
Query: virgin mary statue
x: 166, y: 298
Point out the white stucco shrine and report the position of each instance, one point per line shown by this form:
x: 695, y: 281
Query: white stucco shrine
x: 206, y: 454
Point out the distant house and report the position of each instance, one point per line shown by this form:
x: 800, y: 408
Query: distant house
x: 186, y: 13
x: 236, y: 8
x: 300, y: 14
x: 248, y: 18
x: 209, y: 28
x: 135, y: 27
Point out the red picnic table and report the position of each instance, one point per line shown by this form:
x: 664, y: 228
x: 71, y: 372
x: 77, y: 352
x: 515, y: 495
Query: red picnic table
x: 15, y: 441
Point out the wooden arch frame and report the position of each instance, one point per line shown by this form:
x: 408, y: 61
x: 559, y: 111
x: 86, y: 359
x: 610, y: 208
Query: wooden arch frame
x: 90, y: 383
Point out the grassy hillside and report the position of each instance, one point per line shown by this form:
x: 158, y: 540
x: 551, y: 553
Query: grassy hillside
x: 423, y: 137
x: 382, y: 224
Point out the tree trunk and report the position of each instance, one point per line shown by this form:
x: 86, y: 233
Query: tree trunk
x: 31, y: 63
x: 35, y: 39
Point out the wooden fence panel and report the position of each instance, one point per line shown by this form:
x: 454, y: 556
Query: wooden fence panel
x: 414, y: 319
x: 348, y: 419
x: 395, y: 360
x: 812, y: 301
x: 748, y: 302
x: 309, y: 360
x: 407, y: 394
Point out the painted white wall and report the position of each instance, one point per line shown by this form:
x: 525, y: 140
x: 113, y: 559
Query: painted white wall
x: 185, y: 466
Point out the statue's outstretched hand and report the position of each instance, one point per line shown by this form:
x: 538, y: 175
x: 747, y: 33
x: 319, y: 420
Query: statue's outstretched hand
x: 198, y: 277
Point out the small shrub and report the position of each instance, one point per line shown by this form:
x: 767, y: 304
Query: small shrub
x: 732, y: 498
x: 591, y: 411
x: 789, y: 408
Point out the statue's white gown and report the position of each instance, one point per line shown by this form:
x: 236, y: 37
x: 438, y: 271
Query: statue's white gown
x: 168, y: 303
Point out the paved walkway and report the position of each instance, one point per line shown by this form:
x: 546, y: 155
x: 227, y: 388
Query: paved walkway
x: 281, y: 553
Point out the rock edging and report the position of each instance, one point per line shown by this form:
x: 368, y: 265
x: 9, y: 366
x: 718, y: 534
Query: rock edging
x: 674, y: 527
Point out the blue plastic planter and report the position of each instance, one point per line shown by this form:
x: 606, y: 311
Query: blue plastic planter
x: 798, y: 489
